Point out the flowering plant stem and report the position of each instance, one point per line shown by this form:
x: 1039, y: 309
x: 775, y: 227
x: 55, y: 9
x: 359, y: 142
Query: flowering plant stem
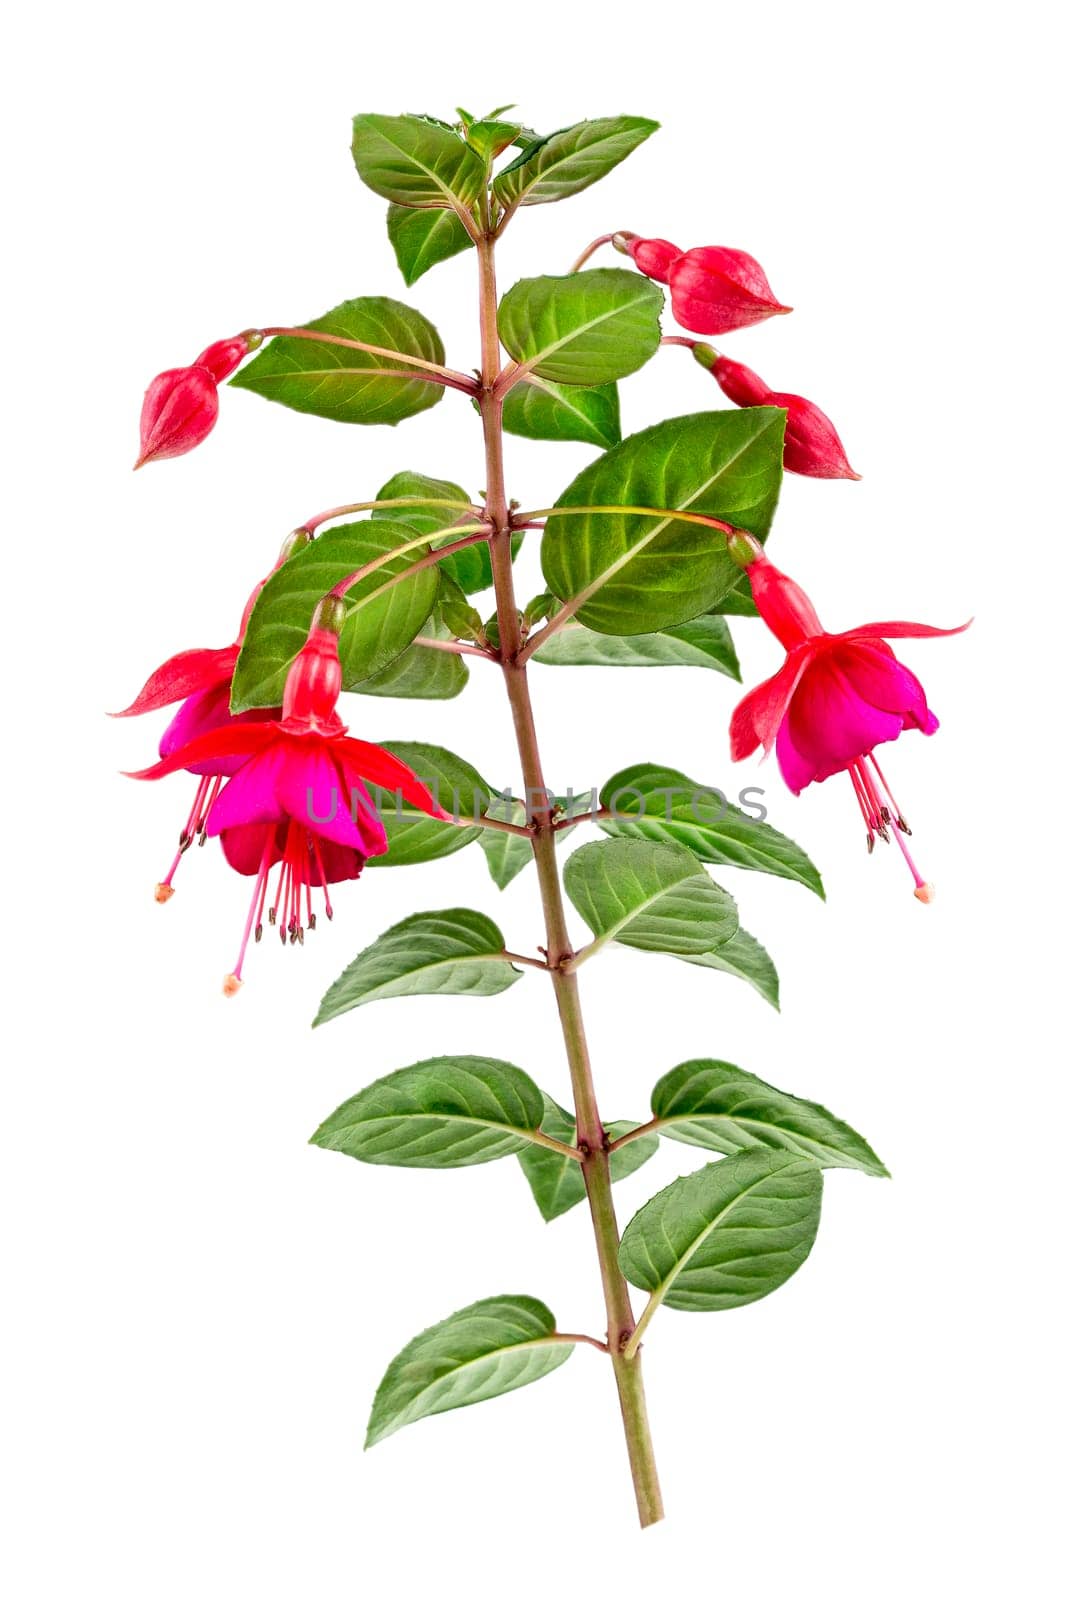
x: 591, y: 1138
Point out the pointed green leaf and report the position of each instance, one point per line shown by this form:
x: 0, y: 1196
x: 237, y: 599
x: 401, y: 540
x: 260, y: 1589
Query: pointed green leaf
x: 416, y: 162
x: 652, y: 802
x: 433, y: 952
x: 377, y: 627
x: 568, y: 161
x: 537, y: 409
x: 490, y: 137
x: 330, y: 380
x: 556, y: 1182
x: 727, y: 1235
x: 639, y: 574
x: 506, y: 853
x: 456, y: 786
x: 717, y: 1106
x: 483, y: 1351
x: 650, y: 896
x: 422, y: 238
x: 743, y: 957
x: 420, y: 673
x: 452, y: 1111
x: 471, y: 568
x: 703, y: 642
x: 588, y: 328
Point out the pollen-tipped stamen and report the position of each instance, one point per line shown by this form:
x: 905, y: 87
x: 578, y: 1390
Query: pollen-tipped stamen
x: 923, y: 891
x: 204, y: 798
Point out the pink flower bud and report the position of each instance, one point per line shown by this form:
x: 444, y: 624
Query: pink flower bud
x: 180, y: 409
x: 181, y: 406
x: 812, y: 444
x: 715, y: 290
x: 654, y: 257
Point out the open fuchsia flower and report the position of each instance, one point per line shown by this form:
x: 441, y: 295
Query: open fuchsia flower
x: 181, y: 405
x: 202, y: 681
x: 713, y: 289
x: 837, y: 697
x: 812, y: 445
x: 297, y: 795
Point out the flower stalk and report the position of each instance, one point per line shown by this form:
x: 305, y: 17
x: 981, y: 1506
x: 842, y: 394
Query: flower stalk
x: 591, y: 1136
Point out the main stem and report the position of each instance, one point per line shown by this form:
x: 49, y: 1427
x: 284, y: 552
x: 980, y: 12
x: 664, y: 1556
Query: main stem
x: 591, y: 1138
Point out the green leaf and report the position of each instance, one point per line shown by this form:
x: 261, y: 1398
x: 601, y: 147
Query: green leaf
x: 506, y: 853
x: 457, y: 788
x: 661, y: 803
x: 422, y: 238
x: 727, y: 1235
x: 650, y: 896
x: 329, y: 380
x: 377, y: 626
x: 419, y: 673
x: 588, y: 328
x: 490, y: 138
x: 568, y: 161
x: 415, y: 162
x: 452, y: 1111
x: 744, y: 957
x: 537, y: 409
x: 640, y: 574
x: 717, y: 1106
x: 471, y: 569
x: 556, y: 1181
x: 483, y: 1351
x: 433, y: 952
x: 703, y: 642
x: 738, y: 602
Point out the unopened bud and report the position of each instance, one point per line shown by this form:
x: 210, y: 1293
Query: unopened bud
x: 715, y: 290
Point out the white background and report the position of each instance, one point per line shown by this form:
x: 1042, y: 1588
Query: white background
x: 200, y: 1304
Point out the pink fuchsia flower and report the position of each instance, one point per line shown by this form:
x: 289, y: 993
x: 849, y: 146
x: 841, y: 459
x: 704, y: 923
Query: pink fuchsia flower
x: 202, y: 680
x: 713, y: 289
x: 181, y: 405
x: 812, y: 444
x: 837, y: 697
x: 299, y: 797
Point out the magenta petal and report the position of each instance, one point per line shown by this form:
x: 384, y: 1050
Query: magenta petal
x: 201, y: 713
x: 831, y: 725
x: 796, y: 770
x: 314, y: 791
x: 886, y: 683
x: 251, y: 795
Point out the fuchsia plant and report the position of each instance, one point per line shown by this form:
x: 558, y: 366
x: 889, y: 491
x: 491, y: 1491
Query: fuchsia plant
x: 644, y: 556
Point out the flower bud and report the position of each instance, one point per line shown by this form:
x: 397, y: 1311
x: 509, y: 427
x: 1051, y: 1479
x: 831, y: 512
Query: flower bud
x: 654, y: 257
x: 715, y: 290
x: 180, y: 409
x: 812, y: 444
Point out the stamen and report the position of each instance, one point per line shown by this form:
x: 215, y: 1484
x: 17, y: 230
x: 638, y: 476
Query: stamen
x: 864, y: 807
x: 923, y: 891
x: 892, y: 799
x: 233, y: 980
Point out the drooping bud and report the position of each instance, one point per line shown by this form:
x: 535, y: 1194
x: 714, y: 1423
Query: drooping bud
x: 181, y: 405
x: 180, y: 409
x: 812, y: 445
x: 654, y: 257
x: 715, y: 290
x: 315, y: 678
